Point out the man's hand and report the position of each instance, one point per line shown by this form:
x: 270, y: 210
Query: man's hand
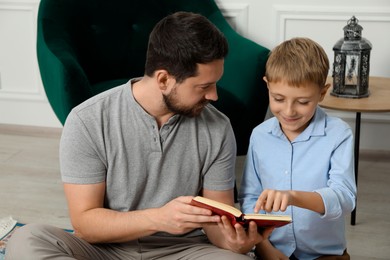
x: 240, y: 240
x: 179, y: 217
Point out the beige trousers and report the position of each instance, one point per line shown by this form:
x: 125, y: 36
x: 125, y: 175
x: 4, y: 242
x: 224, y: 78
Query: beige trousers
x: 38, y: 241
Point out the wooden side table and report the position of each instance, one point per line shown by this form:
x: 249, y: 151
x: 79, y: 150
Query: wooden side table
x: 377, y: 101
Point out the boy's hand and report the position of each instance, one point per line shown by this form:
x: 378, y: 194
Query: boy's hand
x: 274, y: 200
x: 279, y: 200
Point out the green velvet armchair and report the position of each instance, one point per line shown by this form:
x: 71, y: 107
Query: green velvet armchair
x: 87, y: 46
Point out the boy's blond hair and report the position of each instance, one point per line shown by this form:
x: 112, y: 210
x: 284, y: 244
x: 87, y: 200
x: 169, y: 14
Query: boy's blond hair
x: 298, y: 61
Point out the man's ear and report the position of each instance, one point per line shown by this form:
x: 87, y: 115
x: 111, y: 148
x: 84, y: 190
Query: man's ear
x: 162, y: 78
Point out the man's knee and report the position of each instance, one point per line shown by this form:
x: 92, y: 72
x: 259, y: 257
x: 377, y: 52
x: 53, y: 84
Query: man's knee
x: 20, y: 244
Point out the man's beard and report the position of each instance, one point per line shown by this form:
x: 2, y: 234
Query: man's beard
x: 172, y: 104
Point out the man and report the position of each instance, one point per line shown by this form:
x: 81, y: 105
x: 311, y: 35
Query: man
x: 133, y: 157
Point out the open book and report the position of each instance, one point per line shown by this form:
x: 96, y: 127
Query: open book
x: 236, y: 216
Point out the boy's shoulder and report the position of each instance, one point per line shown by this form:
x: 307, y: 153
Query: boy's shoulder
x: 333, y: 121
x: 267, y: 126
x: 269, y: 123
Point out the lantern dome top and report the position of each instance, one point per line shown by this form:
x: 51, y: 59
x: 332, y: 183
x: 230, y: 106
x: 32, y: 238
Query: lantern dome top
x: 353, y: 40
x: 353, y: 31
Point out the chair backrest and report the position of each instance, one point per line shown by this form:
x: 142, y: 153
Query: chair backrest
x: 87, y: 46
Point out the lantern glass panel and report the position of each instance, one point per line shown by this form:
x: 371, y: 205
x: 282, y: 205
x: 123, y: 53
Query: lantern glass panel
x: 352, y: 65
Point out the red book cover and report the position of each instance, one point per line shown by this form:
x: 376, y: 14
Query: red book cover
x: 236, y: 216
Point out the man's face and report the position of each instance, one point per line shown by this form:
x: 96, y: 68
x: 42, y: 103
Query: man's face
x: 293, y: 106
x: 189, y: 97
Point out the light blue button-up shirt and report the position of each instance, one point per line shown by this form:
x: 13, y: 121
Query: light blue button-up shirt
x: 320, y: 159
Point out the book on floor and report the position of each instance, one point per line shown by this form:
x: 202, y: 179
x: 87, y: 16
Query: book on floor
x: 236, y: 216
x: 7, y: 224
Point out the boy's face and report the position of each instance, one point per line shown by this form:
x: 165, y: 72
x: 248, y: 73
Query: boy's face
x: 293, y: 106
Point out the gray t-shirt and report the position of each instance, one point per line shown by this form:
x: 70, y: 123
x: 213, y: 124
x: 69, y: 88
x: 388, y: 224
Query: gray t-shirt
x: 111, y: 138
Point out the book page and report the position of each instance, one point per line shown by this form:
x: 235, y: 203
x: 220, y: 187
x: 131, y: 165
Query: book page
x: 268, y: 217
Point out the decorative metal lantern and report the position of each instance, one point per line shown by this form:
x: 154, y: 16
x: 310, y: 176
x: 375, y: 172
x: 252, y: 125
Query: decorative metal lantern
x: 351, y: 65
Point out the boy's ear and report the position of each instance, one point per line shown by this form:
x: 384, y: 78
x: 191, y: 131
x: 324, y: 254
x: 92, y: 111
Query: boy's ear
x: 324, y: 90
x: 266, y: 81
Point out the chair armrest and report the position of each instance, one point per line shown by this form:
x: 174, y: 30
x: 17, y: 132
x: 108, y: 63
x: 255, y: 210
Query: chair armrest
x: 242, y: 90
x: 64, y: 81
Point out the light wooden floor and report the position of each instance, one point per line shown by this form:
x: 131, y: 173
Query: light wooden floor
x: 31, y: 189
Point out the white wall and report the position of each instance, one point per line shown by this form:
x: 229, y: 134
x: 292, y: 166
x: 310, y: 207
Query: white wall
x: 23, y: 100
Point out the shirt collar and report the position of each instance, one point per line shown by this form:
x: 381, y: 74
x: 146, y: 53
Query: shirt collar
x: 172, y: 120
x: 315, y: 128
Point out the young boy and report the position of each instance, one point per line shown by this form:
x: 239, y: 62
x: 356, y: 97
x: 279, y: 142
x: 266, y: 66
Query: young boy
x: 300, y: 162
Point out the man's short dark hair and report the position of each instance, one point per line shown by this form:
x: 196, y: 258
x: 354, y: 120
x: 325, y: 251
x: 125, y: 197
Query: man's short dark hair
x: 182, y: 40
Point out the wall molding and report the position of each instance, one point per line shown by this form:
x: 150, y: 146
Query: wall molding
x: 283, y: 13
x: 237, y: 14
x: 19, y: 5
x: 34, y: 90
